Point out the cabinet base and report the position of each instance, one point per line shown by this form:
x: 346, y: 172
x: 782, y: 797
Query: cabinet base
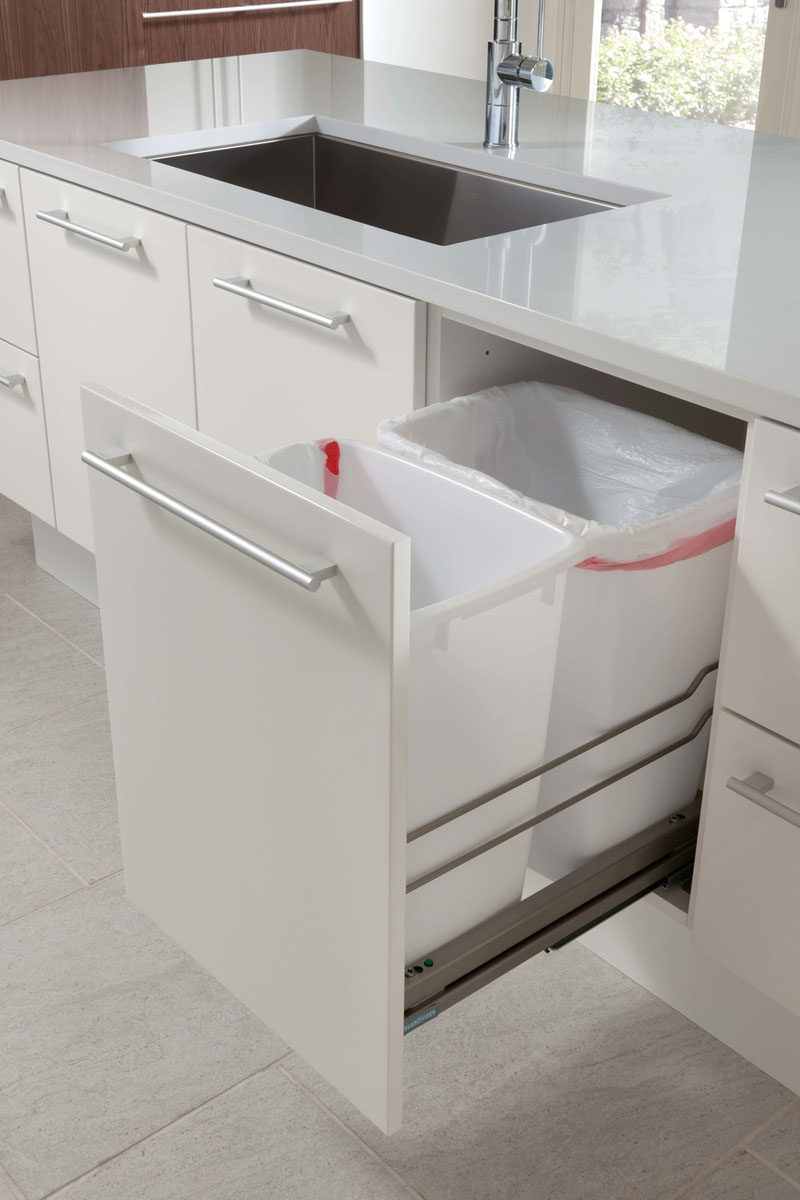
x: 65, y: 560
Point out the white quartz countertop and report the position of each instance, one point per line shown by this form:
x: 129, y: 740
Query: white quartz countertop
x: 696, y: 291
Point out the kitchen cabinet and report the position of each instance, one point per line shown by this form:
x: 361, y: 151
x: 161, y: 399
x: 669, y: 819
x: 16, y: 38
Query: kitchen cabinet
x: 115, y: 309
x: 48, y: 37
x: 16, y: 307
x: 24, y: 460
x: 266, y: 376
x: 748, y: 884
x: 761, y: 679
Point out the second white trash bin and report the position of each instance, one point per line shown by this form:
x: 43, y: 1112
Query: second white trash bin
x: 643, y: 612
x: 487, y: 585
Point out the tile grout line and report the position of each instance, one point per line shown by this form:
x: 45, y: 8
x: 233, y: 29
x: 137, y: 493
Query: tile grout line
x: 63, y: 1188
x: 56, y: 712
x: 351, y: 1133
x: 58, y: 900
x: 37, y: 837
x: 42, y: 621
x: 11, y: 1183
x: 775, y: 1170
x: 729, y: 1154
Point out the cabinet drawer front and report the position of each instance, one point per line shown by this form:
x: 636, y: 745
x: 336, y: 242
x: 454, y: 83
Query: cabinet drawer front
x: 747, y: 882
x: 24, y: 461
x: 264, y: 825
x: 266, y: 377
x: 761, y: 676
x: 16, y: 309
x: 104, y: 313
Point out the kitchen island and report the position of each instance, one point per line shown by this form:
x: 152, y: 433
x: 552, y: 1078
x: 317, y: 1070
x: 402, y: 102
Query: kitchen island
x: 679, y: 299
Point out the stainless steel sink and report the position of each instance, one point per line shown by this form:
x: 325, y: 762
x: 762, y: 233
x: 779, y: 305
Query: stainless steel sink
x: 397, y: 192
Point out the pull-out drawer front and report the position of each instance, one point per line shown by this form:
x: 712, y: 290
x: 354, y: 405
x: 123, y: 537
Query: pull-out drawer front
x: 112, y: 312
x: 24, y: 461
x: 761, y: 675
x: 266, y: 377
x: 747, y: 883
x: 264, y: 826
x: 16, y: 309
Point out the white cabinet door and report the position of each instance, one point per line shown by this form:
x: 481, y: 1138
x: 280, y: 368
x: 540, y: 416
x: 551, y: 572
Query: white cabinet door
x: 120, y: 317
x: 260, y: 741
x: 266, y: 377
x: 747, y: 881
x: 761, y: 673
x: 16, y: 310
x: 24, y: 461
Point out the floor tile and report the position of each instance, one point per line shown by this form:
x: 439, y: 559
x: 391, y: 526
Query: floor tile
x: 57, y: 605
x: 16, y: 541
x: 30, y: 875
x: 39, y: 672
x: 108, y: 1032
x: 780, y: 1143
x: 7, y: 1190
x: 57, y: 774
x: 264, y: 1139
x: 563, y: 1080
x: 743, y: 1178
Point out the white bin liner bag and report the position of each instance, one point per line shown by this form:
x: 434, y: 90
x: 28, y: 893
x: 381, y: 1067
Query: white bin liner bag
x: 656, y: 508
x: 632, y: 486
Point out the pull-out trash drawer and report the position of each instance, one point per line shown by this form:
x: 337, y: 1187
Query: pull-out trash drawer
x: 328, y: 732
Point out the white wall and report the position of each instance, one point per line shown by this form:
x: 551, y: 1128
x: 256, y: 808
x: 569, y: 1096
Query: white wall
x: 437, y: 35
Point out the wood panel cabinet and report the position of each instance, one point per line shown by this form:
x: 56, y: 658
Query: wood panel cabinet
x: 48, y: 37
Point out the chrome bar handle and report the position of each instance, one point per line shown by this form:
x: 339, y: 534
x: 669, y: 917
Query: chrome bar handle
x: 788, y: 501
x: 12, y: 381
x: 239, y: 8
x: 61, y: 219
x: 239, y: 286
x: 112, y: 464
x: 756, y: 789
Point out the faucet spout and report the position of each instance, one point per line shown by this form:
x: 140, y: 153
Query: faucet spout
x: 508, y: 70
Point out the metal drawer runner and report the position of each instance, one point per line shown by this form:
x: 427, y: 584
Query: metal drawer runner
x: 554, y: 915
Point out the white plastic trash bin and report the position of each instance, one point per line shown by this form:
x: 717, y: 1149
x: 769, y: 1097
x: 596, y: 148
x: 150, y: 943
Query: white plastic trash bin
x: 656, y: 506
x: 486, y: 597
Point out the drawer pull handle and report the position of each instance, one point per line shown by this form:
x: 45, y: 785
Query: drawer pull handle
x: 788, y: 501
x: 239, y: 286
x: 239, y: 8
x: 61, y: 219
x: 756, y: 789
x: 11, y: 381
x: 308, y: 577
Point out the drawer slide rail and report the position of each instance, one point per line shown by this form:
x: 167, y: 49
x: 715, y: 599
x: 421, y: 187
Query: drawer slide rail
x: 551, y: 917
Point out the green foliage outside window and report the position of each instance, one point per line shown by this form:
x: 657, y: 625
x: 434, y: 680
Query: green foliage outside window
x: 684, y: 71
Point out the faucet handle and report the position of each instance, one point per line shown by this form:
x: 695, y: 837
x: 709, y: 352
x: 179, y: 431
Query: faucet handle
x: 530, y: 72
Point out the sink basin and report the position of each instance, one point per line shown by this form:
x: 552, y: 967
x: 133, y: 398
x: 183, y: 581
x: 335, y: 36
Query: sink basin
x: 397, y: 192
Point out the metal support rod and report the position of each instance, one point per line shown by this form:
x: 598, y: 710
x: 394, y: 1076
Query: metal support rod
x: 639, y: 765
x: 530, y: 776
x: 111, y: 464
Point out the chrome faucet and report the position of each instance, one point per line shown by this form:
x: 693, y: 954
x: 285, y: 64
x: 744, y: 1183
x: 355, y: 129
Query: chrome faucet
x: 508, y: 71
